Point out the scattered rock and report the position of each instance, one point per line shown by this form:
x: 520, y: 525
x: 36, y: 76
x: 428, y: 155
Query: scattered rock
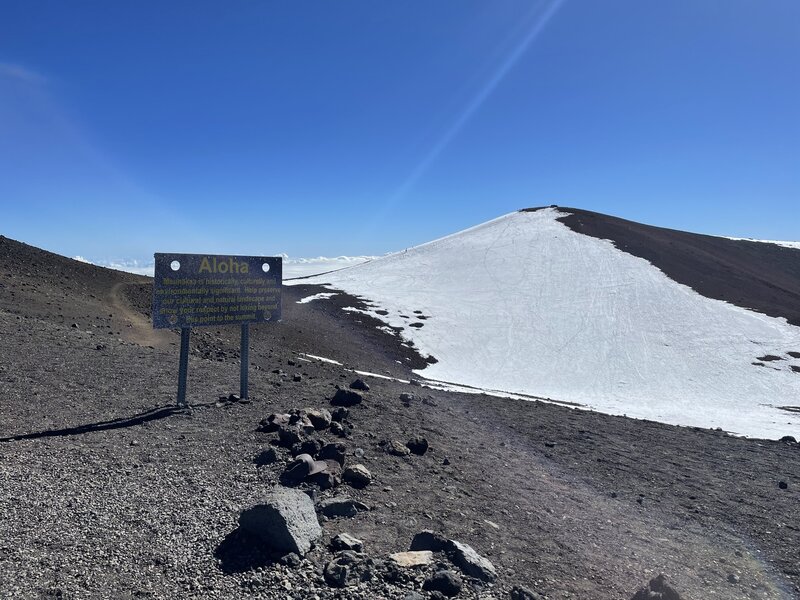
x: 733, y: 578
x: 783, y: 485
x: 446, y: 581
x: 329, y: 477
x: 290, y: 560
x: 341, y: 506
x: 297, y: 377
x: 429, y: 540
x: 519, y: 592
x: 358, y: 476
x: 311, y: 447
x: 470, y: 562
x: 789, y: 438
x: 320, y: 418
x: 284, y: 519
x: 273, y: 422
x: 346, y: 398
x: 657, y: 589
x: 301, y: 467
x: 407, y: 398
x: 337, y: 429
x: 416, y: 558
x: 335, y: 451
x: 359, y: 384
x: 266, y: 457
x: 413, y: 596
x: 299, y: 419
x: 288, y: 436
x: 418, y: 445
x: 345, y: 541
x: 340, y: 414
x: 341, y: 571
x: 397, y: 448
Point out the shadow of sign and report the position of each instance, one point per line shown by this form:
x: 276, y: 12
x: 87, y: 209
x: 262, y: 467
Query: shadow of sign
x: 150, y: 415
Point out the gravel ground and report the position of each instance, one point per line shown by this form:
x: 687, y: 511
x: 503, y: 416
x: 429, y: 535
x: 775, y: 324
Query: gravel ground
x: 106, y: 492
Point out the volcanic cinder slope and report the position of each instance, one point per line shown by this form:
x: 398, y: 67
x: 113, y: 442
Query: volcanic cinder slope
x: 650, y: 323
x: 107, y: 491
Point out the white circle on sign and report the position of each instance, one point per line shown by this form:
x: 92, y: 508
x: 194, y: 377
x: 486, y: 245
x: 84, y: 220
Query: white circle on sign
x: 174, y: 265
x: 265, y: 267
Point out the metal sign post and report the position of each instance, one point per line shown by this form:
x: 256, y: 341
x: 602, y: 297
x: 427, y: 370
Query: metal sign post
x: 183, y: 367
x: 196, y: 290
x: 244, y: 356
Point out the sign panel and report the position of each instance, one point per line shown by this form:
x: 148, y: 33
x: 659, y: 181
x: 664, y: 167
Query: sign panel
x: 193, y: 290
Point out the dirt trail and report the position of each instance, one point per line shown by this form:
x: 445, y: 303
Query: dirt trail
x: 139, y: 329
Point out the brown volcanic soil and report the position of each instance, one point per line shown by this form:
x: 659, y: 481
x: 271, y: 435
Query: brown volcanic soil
x: 105, y: 492
x: 762, y: 277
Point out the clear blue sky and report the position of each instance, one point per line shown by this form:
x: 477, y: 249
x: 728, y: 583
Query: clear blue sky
x: 360, y: 127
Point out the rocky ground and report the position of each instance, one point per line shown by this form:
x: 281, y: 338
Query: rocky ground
x: 106, y: 491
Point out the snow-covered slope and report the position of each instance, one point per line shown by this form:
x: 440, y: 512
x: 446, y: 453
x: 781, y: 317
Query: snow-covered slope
x: 524, y: 304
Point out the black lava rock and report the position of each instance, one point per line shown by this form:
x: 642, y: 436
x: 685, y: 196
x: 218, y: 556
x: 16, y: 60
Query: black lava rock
x: 359, y: 384
x: 447, y: 582
x: 346, y: 398
x: 418, y: 445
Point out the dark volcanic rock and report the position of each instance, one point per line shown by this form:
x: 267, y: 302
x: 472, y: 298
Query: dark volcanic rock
x: 330, y: 477
x: 358, y: 476
x: 273, y: 422
x: 320, y: 418
x: 310, y: 447
x: 284, y: 520
x: 340, y: 414
x: 335, y: 451
x: 289, y: 436
x: 428, y: 540
x: 359, y: 384
x: 342, y: 571
x: 346, y: 398
x: 447, y: 582
x: 789, y: 438
x: 657, y: 589
x: 341, y: 506
x: 345, y: 541
x: 396, y: 448
x: 519, y: 592
x: 470, y: 562
x: 418, y: 445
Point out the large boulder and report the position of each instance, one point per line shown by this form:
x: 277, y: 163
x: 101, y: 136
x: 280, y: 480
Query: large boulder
x: 284, y: 519
x: 428, y: 540
x: 470, y: 562
x: 346, y: 398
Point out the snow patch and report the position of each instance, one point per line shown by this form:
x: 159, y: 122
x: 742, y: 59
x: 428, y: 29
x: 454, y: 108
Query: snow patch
x: 524, y: 304
x: 320, y: 296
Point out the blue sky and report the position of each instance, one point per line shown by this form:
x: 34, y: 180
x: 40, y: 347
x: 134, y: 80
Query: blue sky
x: 360, y: 127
